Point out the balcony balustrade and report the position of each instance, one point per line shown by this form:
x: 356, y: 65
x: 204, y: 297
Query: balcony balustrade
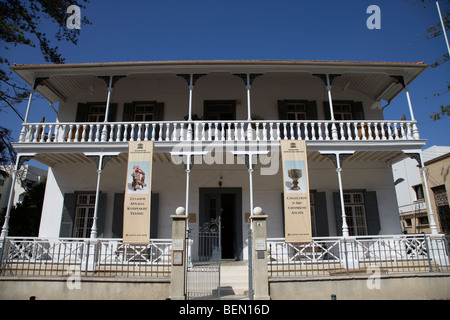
x: 175, y: 131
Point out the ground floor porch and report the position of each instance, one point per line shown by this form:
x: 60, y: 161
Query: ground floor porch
x: 208, y: 190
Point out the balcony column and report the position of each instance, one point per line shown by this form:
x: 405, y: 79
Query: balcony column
x: 249, y: 112
x: 100, y: 162
x: 415, y: 130
x: 423, y: 170
x: 189, y: 129
x: 337, y: 160
x: 345, y: 232
x: 188, y: 172
x: 5, y: 228
x: 36, y: 82
x: 330, y: 102
x: 108, y: 101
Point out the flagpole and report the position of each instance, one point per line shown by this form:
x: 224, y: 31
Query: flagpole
x: 443, y: 27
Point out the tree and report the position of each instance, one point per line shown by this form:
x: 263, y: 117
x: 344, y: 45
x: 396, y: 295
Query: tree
x: 433, y: 32
x: 21, y: 24
x: 25, y: 217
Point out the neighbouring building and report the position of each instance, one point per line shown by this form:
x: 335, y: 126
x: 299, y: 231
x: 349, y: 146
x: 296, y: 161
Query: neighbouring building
x: 411, y: 195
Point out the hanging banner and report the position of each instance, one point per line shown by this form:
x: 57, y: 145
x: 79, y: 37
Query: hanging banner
x: 297, y: 212
x: 136, y: 209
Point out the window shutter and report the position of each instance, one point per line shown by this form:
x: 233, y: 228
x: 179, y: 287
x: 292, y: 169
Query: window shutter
x: 101, y: 215
x: 311, y: 110
x: 326, y: 110
x: 357, y: 111
x: 128, y: 112
x: 321, y: 216
x: 117, y: 222
x: 159, y: 111
x: 154, y: 216
x: 112, y: 112
x: 68, y: 215
x: 372, y: 214
x: 337, y: 213
x: 282, y: 110
x: 82, y: 112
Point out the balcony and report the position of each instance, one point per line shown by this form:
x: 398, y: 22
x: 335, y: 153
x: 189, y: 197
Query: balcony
x: 176, y: 131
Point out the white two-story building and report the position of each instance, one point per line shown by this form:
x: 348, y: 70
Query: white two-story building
x: 216, y: 127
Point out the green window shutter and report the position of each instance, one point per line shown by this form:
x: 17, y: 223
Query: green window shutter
x: 101, y: 215
x: 154, y: 216
x: 68, y: 215
x: 112, y: 112
x: 159, y: 111
x: 282, y: 110
x: 357, y: 111
x: 82, y: 112
x: 117, y: 222
x: 128, y: 112
x: 372, y: 213
x: 326, y: 110
x: 337, y: 213
x: 311, y: 110
x: 321, y: 215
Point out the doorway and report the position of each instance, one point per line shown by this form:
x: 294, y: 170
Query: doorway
x: 225, y: 203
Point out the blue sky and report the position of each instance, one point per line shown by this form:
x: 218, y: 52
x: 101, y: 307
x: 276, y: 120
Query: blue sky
x: 263, y: 29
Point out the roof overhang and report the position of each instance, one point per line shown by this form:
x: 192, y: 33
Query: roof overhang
x: 374, y: 79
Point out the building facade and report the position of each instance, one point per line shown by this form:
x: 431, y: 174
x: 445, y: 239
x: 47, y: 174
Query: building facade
x: 216, y: 128
x: 230, y: 112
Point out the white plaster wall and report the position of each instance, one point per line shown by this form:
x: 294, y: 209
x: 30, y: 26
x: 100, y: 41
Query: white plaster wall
x: 173, y: 91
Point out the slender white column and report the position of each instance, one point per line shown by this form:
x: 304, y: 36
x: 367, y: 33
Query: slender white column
x: 249, y: 117
x: 250, y: 175
x: 97, y: 194
x: 188, y: 172
x: 5, y: 228
x: 341, y: 196
x: 108, y: 100
x: 29, y: 101
x: 433, y: 225
x: 330, y: 102
x: 415, y: 131
x: 30, y: 97
x: 191, y: 88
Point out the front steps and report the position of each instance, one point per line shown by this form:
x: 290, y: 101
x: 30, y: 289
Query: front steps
x: 233, y: 279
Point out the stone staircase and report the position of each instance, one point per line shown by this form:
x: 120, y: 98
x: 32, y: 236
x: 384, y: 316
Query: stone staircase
x: 233, y: 279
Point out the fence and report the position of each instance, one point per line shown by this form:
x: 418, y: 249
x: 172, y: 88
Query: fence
x: 359, y: 255
x: 94, y: 258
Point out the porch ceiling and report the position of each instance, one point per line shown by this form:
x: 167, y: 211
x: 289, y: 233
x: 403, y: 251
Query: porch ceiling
x: 54, y: 158
x: 370, y: 78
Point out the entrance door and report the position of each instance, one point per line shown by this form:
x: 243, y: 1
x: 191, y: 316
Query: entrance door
x: 226, y: 203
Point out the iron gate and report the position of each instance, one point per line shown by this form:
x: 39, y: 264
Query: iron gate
x: 203, y: 265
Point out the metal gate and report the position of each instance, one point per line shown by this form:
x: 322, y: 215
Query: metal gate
x: 203, y: 265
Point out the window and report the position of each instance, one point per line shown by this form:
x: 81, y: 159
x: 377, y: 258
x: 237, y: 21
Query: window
x: 96, y: 113
x: 2, y: 182
x: 144, y: 112
x: 443, y: 209
x: 313, y: 215
x: 84, y: 215
x: 419, y: 192
x: 295, y: 111
x: 355, y: 213
x: 342, y: 111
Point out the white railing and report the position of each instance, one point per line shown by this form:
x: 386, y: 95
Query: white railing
x: 218, y: 131
x: 102, y: 257
x: 359, y: 255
